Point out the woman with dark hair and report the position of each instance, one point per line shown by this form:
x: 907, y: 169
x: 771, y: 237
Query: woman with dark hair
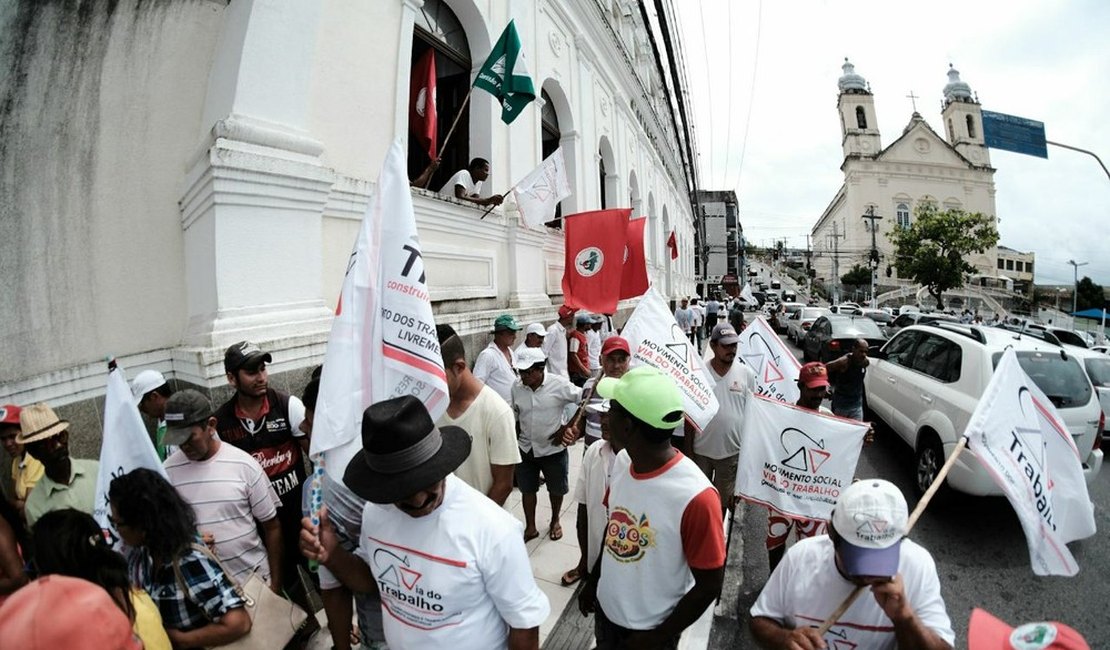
x: 200, y: 605
x: 70, y: 542
x: 13, y: 538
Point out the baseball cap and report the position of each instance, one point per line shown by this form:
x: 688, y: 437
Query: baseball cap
x: 9, y: 414
x: 985, y: 632
x: 614, y: 343
x: 144, y: 382
x: 565, y: 311
x: 242, y: 354
x: 813, y: 374
x: 528, y: 357
x: 184, y: 409
x: 583, y: 319
x: 724, y: 334
x: 870, y: 519
x: 535, y: 328
x: 597, y: 318
x: 505, y: 322
x: 57, y: 611
x: 648, y: 394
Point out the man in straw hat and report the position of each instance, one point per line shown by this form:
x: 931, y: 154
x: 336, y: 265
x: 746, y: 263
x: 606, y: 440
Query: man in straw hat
x: 449, y: 564
x: 864, y: 547
x: 67, y: 482
x: 26, y: 471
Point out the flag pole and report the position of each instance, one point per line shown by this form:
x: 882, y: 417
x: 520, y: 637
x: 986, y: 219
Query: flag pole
x: 451, y: 131
x: 490, y: 208
x: 925, y: 499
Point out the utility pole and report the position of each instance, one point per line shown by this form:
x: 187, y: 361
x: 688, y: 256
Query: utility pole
x: 836, y: 263
x: 1075, y: 285
x: 809, y: 267
x: 873, y: 262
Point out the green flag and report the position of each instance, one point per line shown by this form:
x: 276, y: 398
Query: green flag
x: 505, y: 75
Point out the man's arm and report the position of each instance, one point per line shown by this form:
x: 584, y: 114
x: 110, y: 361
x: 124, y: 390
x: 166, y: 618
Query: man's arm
x: 460, y: 193
x: 233, y: 625
x: 340, y: 609
x: 837, y: 365
x: 502, y: 483
x: 321, y: 544
x: 271, y: 537
x: 528, y: 639
x: 769, y: 634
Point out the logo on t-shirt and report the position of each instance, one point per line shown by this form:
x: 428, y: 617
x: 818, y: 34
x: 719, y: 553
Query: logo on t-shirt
x: 405, y: 592
x: 626, y: 537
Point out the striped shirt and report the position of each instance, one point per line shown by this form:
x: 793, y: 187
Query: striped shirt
x: 228, y: 492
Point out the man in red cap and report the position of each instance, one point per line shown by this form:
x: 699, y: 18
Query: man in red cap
x: 26, y: 469
x: 555, y: 343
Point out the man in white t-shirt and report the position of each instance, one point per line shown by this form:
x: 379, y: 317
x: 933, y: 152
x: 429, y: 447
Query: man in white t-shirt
x: 486, y: 416
x: 593, y: 342
x: 494, y: 365
x: 698, y: 323
x: 864, y: 547
x: 226, y: 487
x: 449, y: 564
x: 555, y: 345
x: 716, y: 449
x: 534, y: 336
x: 465, y: 184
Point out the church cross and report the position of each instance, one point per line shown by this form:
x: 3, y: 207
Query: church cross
x: 913, y: 99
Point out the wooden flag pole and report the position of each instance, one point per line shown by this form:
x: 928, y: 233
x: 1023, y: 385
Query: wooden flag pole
x: 925, y: 499
x: 451, y: 131
x: 490, y: 208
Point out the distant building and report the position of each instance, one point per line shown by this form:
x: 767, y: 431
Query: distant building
x: 718, y: 241
x: 1015, y: 267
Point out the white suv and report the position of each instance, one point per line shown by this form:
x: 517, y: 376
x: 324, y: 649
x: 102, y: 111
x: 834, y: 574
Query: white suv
x: 927, y: 380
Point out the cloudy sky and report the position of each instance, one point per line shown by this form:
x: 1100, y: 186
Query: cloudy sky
x: 768, y: 70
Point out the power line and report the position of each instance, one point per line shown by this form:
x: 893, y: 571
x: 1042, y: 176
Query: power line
x: 708, y: 86
x: 728, y: 140
x: 751, y: 94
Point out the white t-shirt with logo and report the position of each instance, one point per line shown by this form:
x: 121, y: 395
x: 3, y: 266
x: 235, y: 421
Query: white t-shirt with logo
x: 489, y: 421
x: 589, y: 490
x: 461, y: 177
x: 456, y: 578
x: 721, y: 437
x: 806, y: 588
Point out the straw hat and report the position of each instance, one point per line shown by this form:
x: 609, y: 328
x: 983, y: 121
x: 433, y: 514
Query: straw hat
x: 39, y: 422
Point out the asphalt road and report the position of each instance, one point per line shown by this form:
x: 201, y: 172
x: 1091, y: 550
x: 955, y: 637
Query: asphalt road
x: 981, y: 557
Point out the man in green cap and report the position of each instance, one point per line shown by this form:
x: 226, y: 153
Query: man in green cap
x: 494, y: 365
x: 663, y: 555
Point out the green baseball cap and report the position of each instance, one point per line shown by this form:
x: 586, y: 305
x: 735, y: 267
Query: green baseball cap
x: 648, y: 394
x: 505, y: 322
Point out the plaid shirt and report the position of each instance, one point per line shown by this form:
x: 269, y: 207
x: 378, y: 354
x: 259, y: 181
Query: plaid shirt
x: 209, y: 594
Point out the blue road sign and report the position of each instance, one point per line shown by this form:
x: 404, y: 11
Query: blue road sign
x: 1012, y: 133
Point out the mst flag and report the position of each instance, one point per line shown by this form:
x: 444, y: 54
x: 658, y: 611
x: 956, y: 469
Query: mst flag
x: 656, y: 340
x: 796, y: 461
x: 540, y: 191
x: 594, y: 259
x: 1017, y: 435
x: 126, y: 445
x: 634, y: 280
x: 776, y: 368
x: 672, y: 243
x: 505, y: 75
x: 422, y: 102
x: 383, y: 340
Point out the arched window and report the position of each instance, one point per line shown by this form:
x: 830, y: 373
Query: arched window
x: 549, y: 142
x: 861, y: 118
x: 970, y: 127
x: 601, y: 178
x: 439, y: 30
x: 951, y: 131
x: 902, y: 214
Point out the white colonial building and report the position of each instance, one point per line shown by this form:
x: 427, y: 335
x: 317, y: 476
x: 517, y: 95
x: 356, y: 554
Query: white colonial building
x: 890, y: 182
x: 181, y: 175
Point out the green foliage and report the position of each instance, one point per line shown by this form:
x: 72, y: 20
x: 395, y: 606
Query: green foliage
x: 1088, y: 295
x: 933, y: 251
x: 858, y: 276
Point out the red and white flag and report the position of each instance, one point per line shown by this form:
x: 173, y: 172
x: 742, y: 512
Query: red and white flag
x: 795, y: 460
x: 538, y: 193
x: 422, y: 102
x: 595, y: 245
x: 775, y: 366
x: 383, y: 341
x: 1019, y: 438
x: 672, y: 243
x: 634, y: 279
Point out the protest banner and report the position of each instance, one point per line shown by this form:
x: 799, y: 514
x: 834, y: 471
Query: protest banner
x: 656, y: 340
x: 538, y: 193
x: 634, y: 278
x: 775, y: 367
x: 505, y: 75
x: 594, y: 253
x: 795, y: 460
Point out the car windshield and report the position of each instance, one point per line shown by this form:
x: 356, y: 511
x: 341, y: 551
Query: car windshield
x: 1069, y: 337
x: 1060, y: 377
x: 810, y: 313
x: 880, y: 317
x: 1099, y: 371
x: 859, y: 326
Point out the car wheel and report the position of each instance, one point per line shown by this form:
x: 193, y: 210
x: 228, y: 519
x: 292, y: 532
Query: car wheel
x: 927, y: 463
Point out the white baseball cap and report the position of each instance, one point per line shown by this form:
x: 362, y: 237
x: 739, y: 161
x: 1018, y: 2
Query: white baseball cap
x: 144, y: 382
x: 870, y: 519
x: 528, y: 357
x: 535, y: 328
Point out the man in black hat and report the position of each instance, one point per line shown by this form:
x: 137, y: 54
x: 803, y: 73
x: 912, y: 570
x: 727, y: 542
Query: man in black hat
x: 449, y: 564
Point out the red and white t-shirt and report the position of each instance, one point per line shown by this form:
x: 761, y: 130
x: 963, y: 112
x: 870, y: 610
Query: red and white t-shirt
x: 661, y: 525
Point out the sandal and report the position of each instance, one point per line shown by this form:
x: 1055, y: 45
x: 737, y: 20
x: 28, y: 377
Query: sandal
x: 570, y: 577
x: 556, y: 532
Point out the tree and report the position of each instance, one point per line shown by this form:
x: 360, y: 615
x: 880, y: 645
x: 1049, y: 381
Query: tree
x: 1088, y: 295
x: 858, y: 275
x: 934, y: 249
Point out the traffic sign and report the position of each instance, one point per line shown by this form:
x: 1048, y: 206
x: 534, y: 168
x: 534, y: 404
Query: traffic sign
x: 1012, y: 133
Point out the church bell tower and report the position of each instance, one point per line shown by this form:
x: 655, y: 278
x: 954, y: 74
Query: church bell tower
x: 963, y: 120
x: 858, y: 127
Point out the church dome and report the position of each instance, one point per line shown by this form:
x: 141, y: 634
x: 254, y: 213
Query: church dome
x: 850, y: 82
x: 956, y: 90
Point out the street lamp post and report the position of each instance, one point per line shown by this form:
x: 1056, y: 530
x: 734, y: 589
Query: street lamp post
x: 1075, y: 283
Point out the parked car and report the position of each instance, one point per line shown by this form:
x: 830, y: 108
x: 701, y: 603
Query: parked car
x: 1069, y: 337
x: 782, y: 316
x: 1097, y: 366
x: 880, y: 316
x: 846, y: 309
x: 802, y: 320
x: 789, y: 295
x: 775, y: 284
x: 905, y: 319
x: 927, y: 380
x: 1105, y: 349
x: 834, y: 335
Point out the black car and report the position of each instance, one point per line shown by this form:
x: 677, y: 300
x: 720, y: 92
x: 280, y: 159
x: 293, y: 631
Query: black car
x: 833, y: 336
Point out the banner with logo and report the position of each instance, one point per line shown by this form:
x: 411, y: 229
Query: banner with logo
x: 775, y: 366
x: 1019, y: 438
x: 505, y: 75
x: 634, y: 279
x: 126, y: 445
x: 595, y: 246
x: 538, y: 193
x: 794, y: 460
x: 422, y: 102
x: 383, y: 341
x: 656, y: 340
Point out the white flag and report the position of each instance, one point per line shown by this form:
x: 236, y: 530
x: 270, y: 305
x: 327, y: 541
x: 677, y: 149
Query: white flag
x: 383, y: 340
x: 775, y: 366
x: 656, y: 340
x: 125, y: 446
x: 540, y: 191
x: 1018, y: 436
x: 795, y: 460
x: 747, y: 297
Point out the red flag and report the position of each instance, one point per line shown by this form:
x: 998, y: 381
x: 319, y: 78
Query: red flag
x: 634, y: 281
x: 595, y: 245
x: 672, y: 243
x: 422, y: 102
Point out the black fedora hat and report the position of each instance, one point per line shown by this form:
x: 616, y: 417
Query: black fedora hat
x: 403, y: 451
